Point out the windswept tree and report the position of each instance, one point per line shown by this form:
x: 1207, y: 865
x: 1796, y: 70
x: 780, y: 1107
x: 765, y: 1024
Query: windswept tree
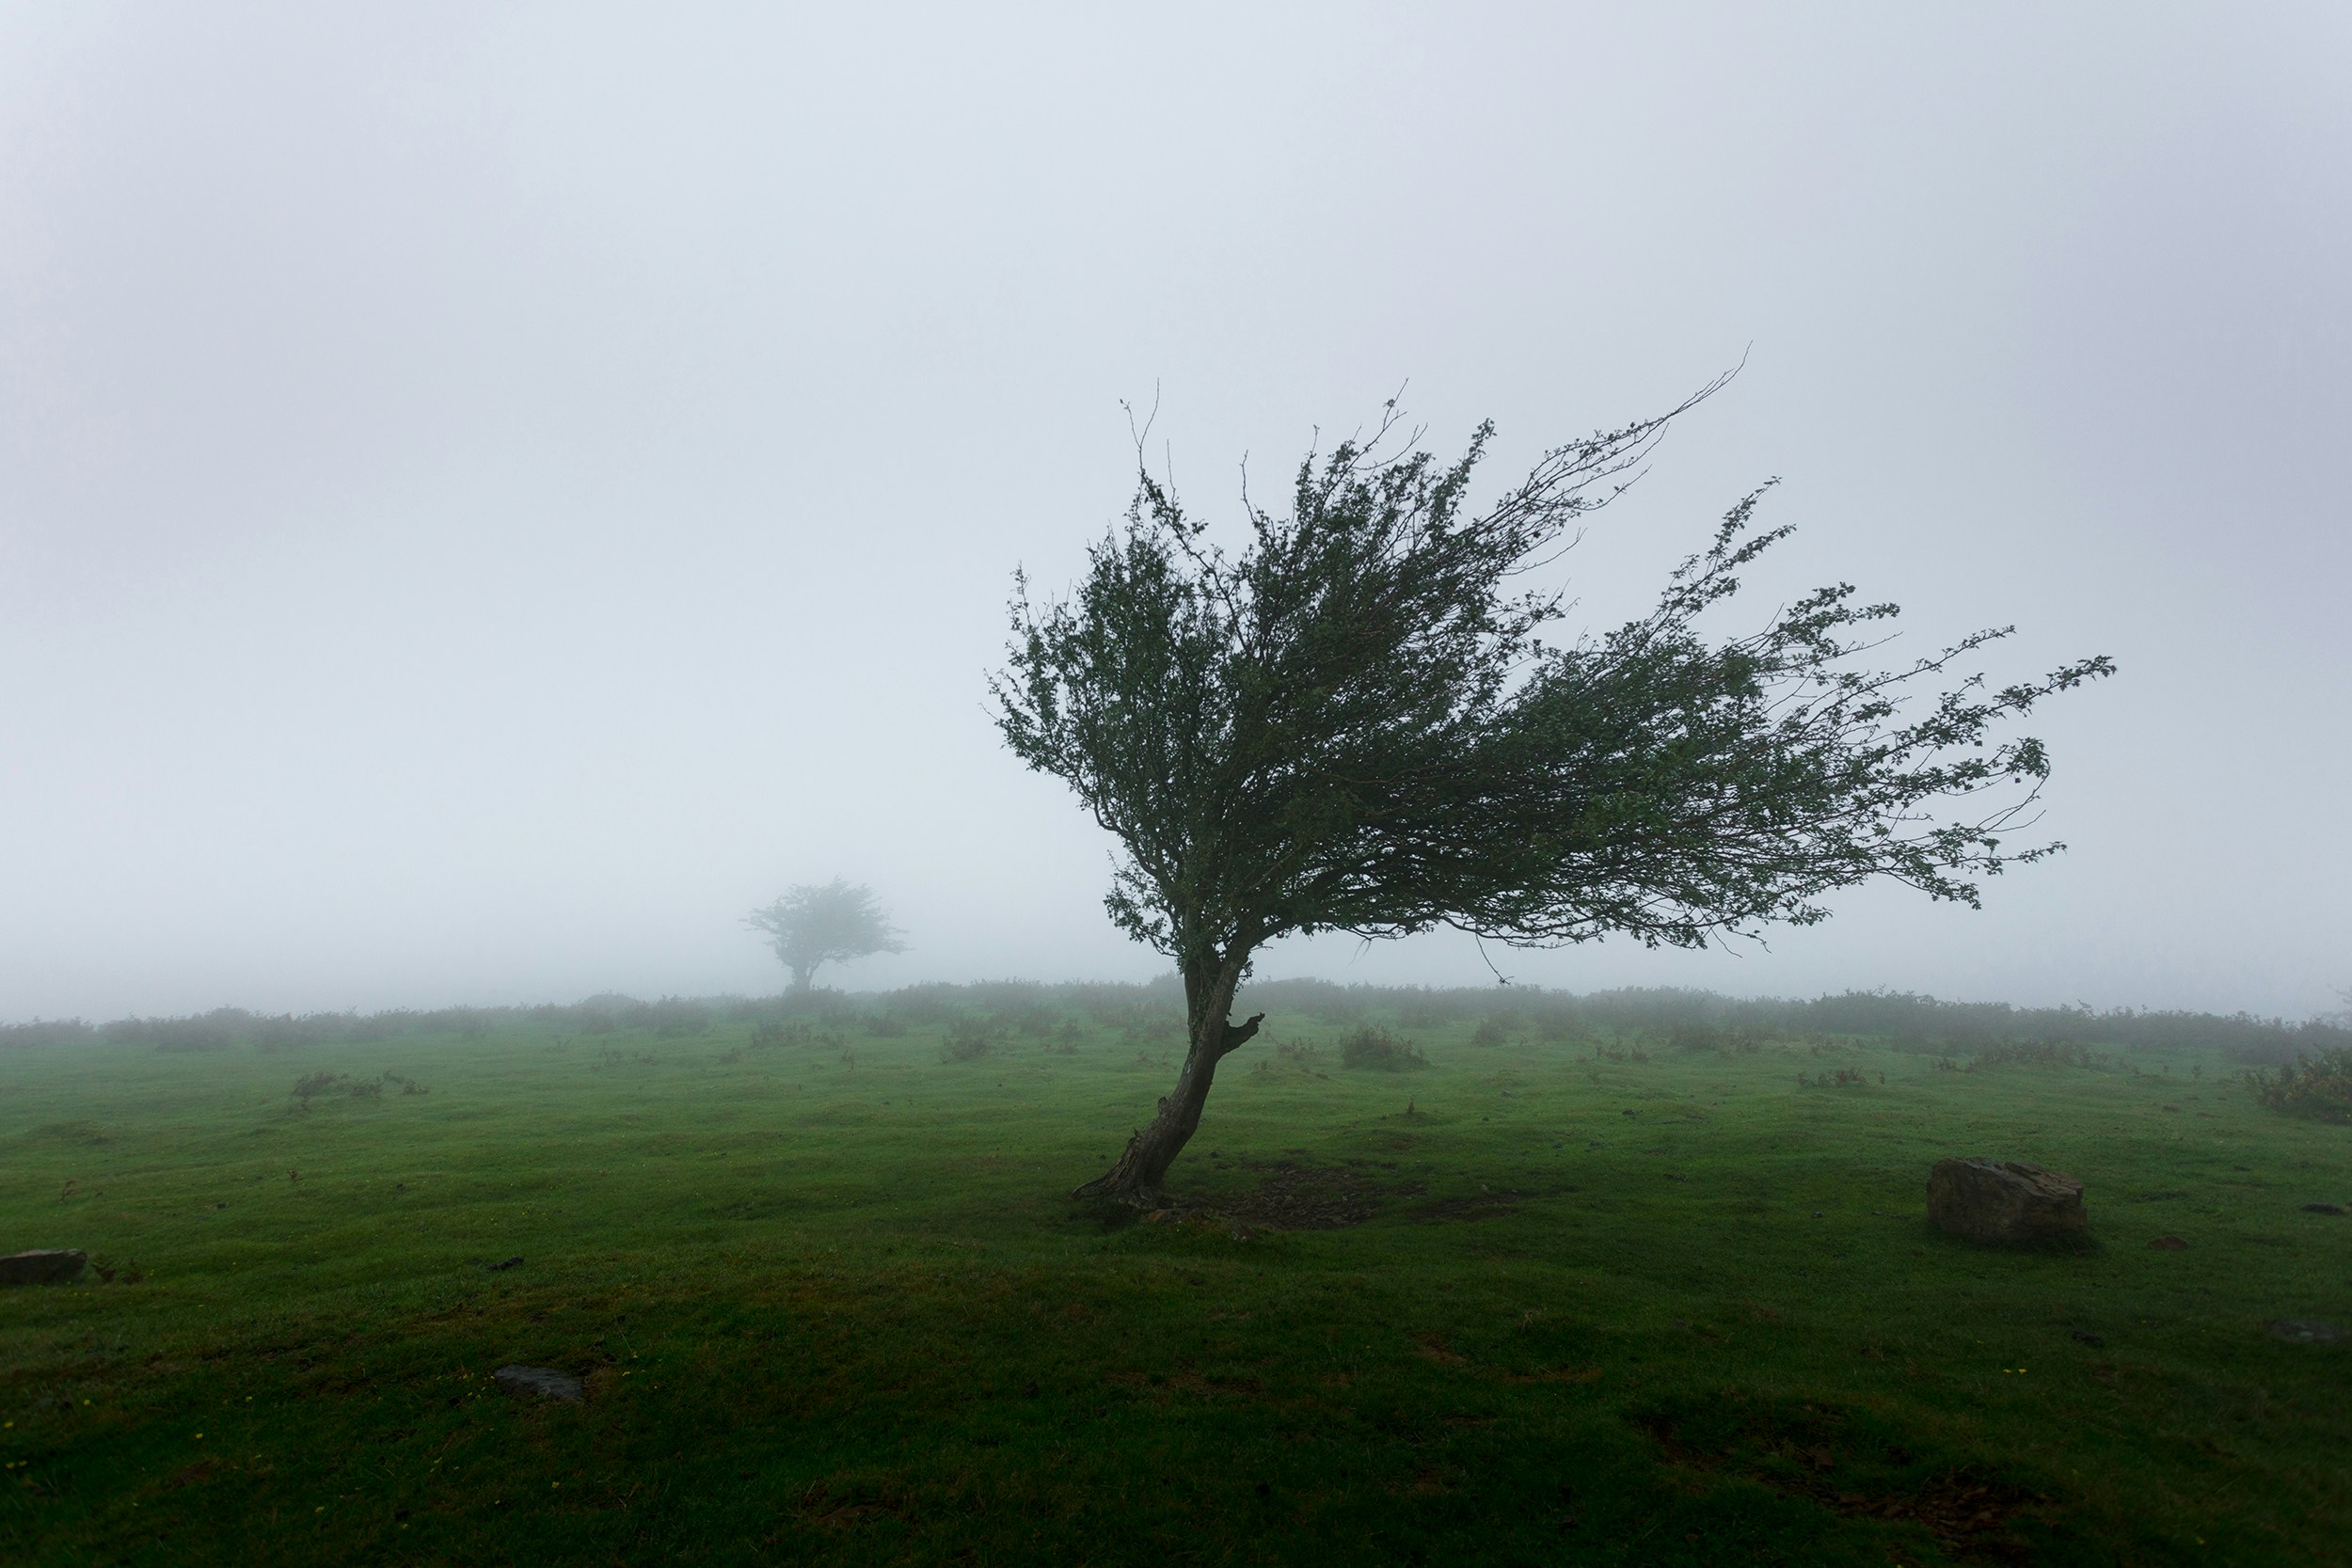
x: 1353, y: 723
x: 813, y: 924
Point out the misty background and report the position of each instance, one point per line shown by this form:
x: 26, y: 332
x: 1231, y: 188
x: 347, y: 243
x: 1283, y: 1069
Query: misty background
x: 486, y: 497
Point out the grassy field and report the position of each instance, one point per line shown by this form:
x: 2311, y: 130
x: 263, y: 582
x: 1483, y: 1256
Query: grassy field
x: 1564, y: 1298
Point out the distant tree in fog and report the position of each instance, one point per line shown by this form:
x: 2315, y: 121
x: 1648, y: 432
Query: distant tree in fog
x: 812, y: 926
x: 1353, y: 725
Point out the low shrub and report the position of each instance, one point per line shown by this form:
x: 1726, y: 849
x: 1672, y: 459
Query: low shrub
x: 970, y: 1038
x: 2317, y: 1086
x: 1378, y: 1049
x: 309, y: 1088
x: 675, y: 1018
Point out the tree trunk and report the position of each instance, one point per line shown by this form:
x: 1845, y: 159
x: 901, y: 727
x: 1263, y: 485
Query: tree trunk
x: 1134, y: 1179
x: 801, y: 975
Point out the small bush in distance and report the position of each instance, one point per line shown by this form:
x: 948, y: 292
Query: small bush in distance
x: 1376, y: 1048
x: 675, y: 1018
x: 2318, y: 1087
x: 968, y: 1039
x: 1493, y: 1030
x: 1694, y: 1035
x: 316, y: 1083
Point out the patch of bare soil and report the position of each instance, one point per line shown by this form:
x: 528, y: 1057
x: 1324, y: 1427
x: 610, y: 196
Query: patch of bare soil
x: 1971, y: 1514
x: 1186, y: 1382
x: 1484, y: 1204
x: 189, y: 1475
x: 843, y: 1502
x: 1292, y: 1196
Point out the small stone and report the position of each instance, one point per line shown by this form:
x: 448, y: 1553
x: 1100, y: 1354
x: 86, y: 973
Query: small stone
x: 545, y: 1382
x: 504, y: 1264
x: 2322, y: 1209
x: 2302, y: 1331
x: 2002, y: 1201
x: 2084, y: 1336
x: 2167, y: 1244
x: 47, y: 1267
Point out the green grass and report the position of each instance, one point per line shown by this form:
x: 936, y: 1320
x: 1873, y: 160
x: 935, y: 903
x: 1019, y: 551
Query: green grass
x: 1675, y: 1310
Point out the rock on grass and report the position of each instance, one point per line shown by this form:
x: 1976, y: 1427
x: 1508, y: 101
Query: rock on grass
x: 2302, y: 1331
x: 46, y: 1267
x: 545, y: 1382
x: 2002, y: 1202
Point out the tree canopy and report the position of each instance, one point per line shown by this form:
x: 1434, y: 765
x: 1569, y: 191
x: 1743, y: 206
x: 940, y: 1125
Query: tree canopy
x: 1355, y: 722
x: 815, y: 925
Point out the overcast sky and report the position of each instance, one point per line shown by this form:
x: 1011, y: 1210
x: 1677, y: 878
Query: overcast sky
x: 489, y: 494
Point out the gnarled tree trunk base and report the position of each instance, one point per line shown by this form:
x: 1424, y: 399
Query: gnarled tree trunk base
x: 1134, y: 1180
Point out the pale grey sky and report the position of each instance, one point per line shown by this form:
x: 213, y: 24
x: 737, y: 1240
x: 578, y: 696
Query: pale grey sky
x: 489, y: 494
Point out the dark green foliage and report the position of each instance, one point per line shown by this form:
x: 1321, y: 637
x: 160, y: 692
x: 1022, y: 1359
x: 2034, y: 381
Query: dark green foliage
x: 1354, y: 725
x: 1378, y: 1049
x: 2318, y: 1087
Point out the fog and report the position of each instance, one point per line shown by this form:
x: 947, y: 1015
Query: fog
x: 486, y: 500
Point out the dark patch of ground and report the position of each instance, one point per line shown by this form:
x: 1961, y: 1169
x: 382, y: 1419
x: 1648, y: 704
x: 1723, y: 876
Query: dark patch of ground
x: 1292, y: 1196
x: 1822, y: 1453
x: 1484, y: 1204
